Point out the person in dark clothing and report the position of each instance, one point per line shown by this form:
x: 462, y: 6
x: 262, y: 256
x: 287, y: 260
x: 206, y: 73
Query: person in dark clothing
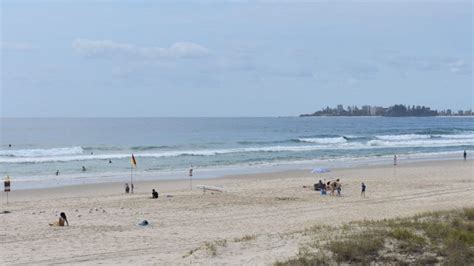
x: 319, y: 186
x: 362, y: 192
x: 154, y: 194
x: 465, y: 155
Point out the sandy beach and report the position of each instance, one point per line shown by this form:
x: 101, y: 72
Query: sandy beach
x: 266, y: 210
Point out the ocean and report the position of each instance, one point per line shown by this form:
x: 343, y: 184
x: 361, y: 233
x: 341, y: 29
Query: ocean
x: 165, y: 148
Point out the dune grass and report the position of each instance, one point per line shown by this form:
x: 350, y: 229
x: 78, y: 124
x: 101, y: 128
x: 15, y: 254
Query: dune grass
x: 445, y: 238
x: 245, y: 238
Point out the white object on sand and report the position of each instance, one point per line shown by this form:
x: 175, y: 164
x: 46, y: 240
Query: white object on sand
x: 210, y: 188
x: 320, y: 170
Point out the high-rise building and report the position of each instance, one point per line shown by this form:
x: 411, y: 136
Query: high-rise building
x: 340, y: 108
x: 366, y: 109
x: 373, y: 110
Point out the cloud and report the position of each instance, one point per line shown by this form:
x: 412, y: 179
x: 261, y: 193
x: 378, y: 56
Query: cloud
x: 460, y: 67
x: 113, y: 50
x: 456, y: 65
x: 15, y: 46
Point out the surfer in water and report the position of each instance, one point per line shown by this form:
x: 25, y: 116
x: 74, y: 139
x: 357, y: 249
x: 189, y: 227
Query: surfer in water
x: 344, y: 137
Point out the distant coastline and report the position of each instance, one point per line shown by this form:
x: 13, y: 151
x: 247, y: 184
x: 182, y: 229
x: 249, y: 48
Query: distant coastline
x: 398, y: 110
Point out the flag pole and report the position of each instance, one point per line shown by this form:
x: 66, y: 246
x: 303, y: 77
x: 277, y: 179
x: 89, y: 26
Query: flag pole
x: 133, y: 163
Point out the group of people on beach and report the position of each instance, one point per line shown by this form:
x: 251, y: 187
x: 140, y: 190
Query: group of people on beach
x: 335, y: 188
x: 129, y: 189
x: 332, y: 187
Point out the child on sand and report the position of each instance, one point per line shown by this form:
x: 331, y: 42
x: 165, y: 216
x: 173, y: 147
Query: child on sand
x: 62, y: 220
x: 362, y: 192
x: 154, y: 194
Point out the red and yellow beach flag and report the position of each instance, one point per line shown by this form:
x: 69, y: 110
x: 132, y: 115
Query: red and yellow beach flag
x: 133, y: 161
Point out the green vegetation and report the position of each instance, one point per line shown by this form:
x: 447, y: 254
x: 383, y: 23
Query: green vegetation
x: 211, y: 247
x: 445, y: 238
x: 363, y: 247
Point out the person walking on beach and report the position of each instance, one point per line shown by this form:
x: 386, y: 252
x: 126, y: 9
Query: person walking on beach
x: 395, y: 160
x: 465, y: 155
x: 362, y: 192
x: 334, y: 186
x: 339, y: 188
x: 191, y: 177
x: 127, y: 188
x: 132, y: 187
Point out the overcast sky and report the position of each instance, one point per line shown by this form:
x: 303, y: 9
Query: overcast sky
x: 142, y: 58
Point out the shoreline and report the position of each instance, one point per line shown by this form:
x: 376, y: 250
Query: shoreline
x: 206, y: 173
x: 175, y: 184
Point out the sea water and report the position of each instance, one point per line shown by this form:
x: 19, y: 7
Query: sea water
x: 165, y: 148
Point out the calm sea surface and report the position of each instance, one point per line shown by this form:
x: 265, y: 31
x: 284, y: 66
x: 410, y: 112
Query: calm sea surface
x: 166, y: 147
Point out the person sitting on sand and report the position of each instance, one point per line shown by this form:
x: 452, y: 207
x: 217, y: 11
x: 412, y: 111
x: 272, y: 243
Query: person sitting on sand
x: 127, y: 188
x: 154, y: 194
x: 62, y: 220
x: 319, y: 186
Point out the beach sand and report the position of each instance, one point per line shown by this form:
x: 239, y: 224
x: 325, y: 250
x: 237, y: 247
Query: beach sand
x: 255, y: 221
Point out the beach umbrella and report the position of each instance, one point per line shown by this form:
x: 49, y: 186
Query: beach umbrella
x: 320, y: 170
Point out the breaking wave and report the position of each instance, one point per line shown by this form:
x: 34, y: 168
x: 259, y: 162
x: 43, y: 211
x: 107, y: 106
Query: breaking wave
x: 42, y: 152
x: 335, y: 140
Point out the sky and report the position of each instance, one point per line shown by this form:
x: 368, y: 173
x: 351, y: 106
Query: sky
x: 210, y: 58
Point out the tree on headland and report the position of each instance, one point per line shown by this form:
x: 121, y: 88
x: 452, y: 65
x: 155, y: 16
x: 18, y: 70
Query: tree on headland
x: 397, y: 110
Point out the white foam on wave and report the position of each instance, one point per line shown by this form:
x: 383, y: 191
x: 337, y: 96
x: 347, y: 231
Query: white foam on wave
x: 157, y: 154
x: 28, y: 153
x: 457, y: 136
x: 329, y: 143
x: 421, y: 143
x: 402, y: 137
x: 335, y: 140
